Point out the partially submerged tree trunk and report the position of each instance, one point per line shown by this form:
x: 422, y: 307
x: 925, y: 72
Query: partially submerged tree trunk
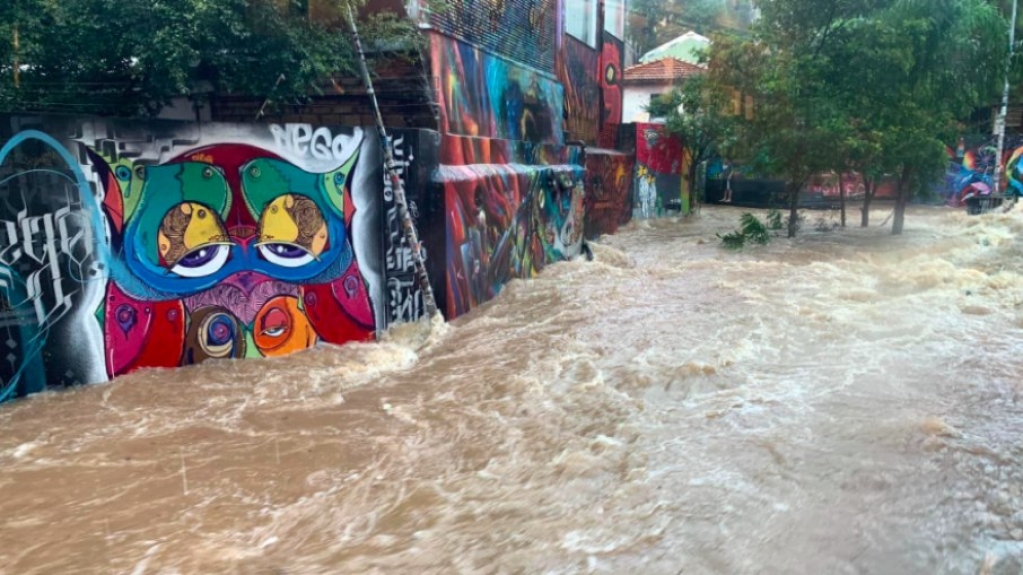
x: 841, y: 197
x: 901, y: 199
x: 691, y: 176
x: 869, y: 187
x: 793, y: 192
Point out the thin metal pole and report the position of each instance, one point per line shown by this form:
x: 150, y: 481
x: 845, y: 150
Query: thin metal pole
x: 262, y: 109
x: 17, y: 64
x: 393, y: 172
x: 1000, y: 122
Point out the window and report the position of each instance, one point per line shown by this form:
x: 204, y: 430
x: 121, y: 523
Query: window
x: 581, y: 20
x: 614, y: 18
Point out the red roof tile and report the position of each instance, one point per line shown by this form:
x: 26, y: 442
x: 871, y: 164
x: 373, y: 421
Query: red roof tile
x: 664, y: 70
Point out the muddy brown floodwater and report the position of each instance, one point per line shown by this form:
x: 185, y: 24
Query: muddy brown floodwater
x: 848, y: 402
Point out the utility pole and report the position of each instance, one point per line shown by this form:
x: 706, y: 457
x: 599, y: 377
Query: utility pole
x: 1000, y: 121
x: 17, y: 64
x: 393, y: 173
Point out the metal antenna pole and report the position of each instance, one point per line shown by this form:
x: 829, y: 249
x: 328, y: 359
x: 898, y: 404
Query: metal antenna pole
x: 396, y: 184
x: 1000, y: 122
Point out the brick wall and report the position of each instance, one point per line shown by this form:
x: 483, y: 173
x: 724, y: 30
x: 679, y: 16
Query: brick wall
x: 402, y: 89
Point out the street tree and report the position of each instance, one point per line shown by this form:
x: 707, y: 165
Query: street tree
x: 856, y: 66
x: 907, y: 75
x: 942, y: 59
x: 780, y: 76
x: 876, y: 85
x: 698, y: 112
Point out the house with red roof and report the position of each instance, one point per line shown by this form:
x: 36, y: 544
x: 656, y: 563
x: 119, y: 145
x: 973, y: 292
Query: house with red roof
x: 643, y: 82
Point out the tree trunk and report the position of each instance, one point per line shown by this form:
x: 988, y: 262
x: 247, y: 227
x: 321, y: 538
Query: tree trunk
x: 901, y: 199
x: 794, y: 189
x: 691, y: 176
x: 868, y: 196
x: 841, y: 196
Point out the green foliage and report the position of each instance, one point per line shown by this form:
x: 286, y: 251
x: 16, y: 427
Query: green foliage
x: 697, y: 112
x: 394, y: 33
x: 754, y: 230
x: 654, y: 22
x: 733, y: 240
x: 130, y: 57
x: 870, y: 85
x: 751, y: 231
x: 774, y: 220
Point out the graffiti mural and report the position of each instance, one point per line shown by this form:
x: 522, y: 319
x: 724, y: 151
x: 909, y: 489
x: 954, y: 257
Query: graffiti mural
x: 523, y: 30
x: 484, y: 96
x: 826, y: 186
x: 659, y: 165
x: 971, y: 167
x: 506, y: 222
x: 51, y: 268
x: 610, y: 83
x: 416, y: 154
x: 608, y: 201
x: 579, y: 70
x: 404, y: 296
x: 166, y: 244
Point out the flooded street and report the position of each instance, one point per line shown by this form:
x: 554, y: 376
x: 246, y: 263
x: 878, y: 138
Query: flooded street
x: 848, y: 402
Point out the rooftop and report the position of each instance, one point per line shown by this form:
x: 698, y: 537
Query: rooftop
x: 666, y: 70
x: 686, y: 48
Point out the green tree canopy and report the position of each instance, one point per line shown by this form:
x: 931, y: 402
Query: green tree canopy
x: 654, y: 22
x: 872, y: 84
x: 699, y: 112
x: 130, y: 57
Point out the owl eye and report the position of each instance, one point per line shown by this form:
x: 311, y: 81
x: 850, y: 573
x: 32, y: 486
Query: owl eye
x: 285, y: 254
x: 339, y: 179
x: 277, y: 331
x: 202, y: 261
x: 123, y: 173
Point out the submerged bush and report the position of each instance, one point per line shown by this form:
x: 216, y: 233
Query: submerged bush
x: 751, y: 230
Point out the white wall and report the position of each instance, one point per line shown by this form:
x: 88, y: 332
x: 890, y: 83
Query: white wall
x: 181, y: 109
x: 635, y: 98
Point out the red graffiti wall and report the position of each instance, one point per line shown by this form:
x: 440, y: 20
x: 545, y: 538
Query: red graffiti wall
x: 610, y: 82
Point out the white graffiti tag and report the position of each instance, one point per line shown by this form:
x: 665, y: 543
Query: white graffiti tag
x: 36, y: 243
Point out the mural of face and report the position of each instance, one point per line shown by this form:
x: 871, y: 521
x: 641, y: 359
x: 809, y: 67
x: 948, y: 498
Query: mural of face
x: 229, y: 251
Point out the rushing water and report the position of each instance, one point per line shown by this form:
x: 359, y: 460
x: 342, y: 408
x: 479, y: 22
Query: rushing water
x: 847, y: 402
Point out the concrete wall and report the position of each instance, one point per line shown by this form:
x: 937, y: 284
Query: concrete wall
x: 506, y: 220
x: 608, y: 198
x: 636, y: 98
x: 660, y: 166
x: 513, y: 191
x: 161, y: 244
x: 481, y: 95
x: 130, y: 244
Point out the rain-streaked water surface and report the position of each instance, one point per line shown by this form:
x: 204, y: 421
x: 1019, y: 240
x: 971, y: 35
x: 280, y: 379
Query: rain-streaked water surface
x: 848, y: 402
